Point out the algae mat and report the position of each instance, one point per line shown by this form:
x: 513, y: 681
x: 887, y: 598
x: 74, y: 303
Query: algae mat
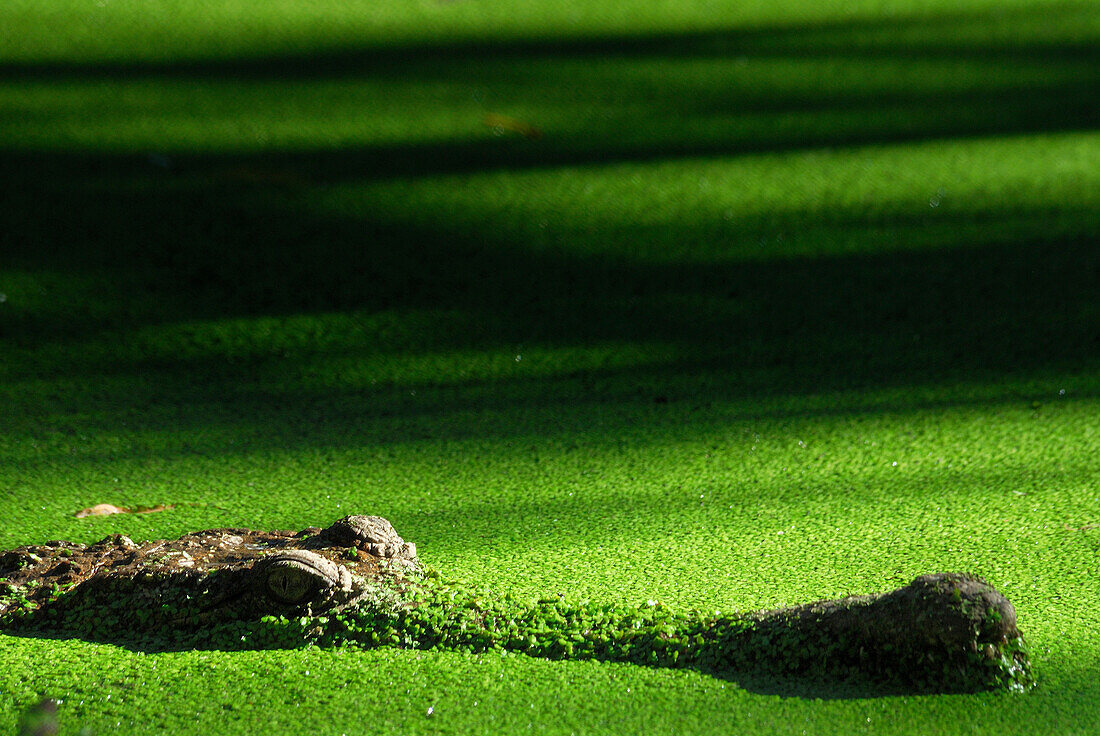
x: 726, y: 308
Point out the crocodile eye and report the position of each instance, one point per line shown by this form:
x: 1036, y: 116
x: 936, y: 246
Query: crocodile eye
x: 289, y: 584
x: 296, y: 576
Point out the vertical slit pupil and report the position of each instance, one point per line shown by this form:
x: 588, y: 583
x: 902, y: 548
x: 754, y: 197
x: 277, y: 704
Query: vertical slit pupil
x: 289, y: 584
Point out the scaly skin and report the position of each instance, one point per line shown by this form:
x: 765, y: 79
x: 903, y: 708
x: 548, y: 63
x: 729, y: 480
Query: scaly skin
x: 357, y: 583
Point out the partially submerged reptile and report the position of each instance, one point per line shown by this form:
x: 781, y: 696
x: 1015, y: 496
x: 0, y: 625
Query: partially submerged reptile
x: 359, y: 583
x: 211, y: 576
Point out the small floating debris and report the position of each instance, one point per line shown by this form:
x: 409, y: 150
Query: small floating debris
x: 106, y: 509
x: 503, y: 123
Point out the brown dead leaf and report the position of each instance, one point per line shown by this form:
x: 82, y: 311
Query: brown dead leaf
x: 150, y: 509
x: 106, y: 509
x: 100, y: 509
x: 504, y: 123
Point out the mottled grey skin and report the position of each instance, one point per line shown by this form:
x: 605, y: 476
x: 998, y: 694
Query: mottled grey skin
x: 946, y: 625
x: 214, y: 575
x: 372, y: 534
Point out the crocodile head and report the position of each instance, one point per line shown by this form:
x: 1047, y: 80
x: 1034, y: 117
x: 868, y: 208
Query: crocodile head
x: 206, y: 577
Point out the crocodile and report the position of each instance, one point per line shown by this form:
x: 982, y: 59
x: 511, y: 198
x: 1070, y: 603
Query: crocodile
x: 212, y: 575
x: 358, y: 583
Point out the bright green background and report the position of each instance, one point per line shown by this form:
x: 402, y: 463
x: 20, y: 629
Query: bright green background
x: 790, y: 300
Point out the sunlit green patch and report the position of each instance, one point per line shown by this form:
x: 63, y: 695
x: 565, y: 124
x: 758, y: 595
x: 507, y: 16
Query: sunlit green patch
x: 71, y: 30
x: 804, y: 297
